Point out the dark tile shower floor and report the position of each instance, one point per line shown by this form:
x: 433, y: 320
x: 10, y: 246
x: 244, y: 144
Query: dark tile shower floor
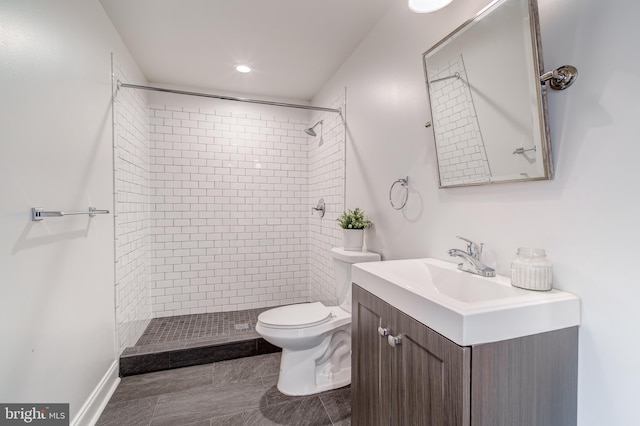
x: 181, y: 341
x: 185, y: 328
x: 186, y: 331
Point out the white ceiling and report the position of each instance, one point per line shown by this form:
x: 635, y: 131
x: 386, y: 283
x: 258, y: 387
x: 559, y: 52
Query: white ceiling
x: 294, y: 46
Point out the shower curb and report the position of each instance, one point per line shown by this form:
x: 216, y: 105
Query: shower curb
x: 140, y: 363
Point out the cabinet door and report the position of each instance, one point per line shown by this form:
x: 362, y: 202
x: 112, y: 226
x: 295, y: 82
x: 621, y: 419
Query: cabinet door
x: 528, y: 381
x: 370, y: 372
x: 432, y: 377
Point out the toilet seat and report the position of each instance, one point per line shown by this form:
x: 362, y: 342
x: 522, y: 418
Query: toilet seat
x: 301, y: 315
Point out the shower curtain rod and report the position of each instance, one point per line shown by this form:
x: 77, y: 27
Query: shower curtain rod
x: 454, y: 75
x: 228, y: 98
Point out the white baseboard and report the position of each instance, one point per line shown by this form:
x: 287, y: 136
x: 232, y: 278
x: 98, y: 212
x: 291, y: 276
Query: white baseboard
x: 93, y: 407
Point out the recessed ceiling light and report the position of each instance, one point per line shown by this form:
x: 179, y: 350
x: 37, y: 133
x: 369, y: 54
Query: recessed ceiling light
x: 243, y: 68
x: 427, y: 6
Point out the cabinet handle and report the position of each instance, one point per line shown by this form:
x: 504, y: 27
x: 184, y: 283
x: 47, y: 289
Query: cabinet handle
x: 383, y: 332
x: 394, y: 340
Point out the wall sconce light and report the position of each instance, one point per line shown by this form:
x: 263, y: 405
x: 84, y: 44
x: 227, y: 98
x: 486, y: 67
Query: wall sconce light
x: 427, y: 6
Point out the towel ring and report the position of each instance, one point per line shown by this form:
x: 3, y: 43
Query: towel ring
x: 405, y: 184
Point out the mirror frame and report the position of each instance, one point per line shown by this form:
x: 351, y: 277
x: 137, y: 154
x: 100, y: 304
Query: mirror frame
x: 541, y: 94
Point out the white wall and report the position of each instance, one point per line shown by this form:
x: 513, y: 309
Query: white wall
x: 586, y: 218
x: 326, y: 181
x: 229, y: 210
x: 225, y: 270
x: 131, y: 212
x: 57, y: 283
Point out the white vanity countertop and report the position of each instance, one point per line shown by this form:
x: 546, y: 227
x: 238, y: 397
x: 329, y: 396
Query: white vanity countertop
x: 466, y: 308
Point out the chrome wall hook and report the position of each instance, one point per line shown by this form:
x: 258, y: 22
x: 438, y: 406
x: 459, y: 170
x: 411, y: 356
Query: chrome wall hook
x: 560, y: 78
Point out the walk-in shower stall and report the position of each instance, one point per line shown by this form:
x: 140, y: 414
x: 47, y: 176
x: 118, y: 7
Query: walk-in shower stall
x: 213, y: 209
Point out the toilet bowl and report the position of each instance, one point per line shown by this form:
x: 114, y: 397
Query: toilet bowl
x: 315, y: 339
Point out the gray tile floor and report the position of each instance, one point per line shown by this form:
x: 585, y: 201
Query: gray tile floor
x: 237, y: 392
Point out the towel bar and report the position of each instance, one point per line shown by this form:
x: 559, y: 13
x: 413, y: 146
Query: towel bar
x: 38, y: 213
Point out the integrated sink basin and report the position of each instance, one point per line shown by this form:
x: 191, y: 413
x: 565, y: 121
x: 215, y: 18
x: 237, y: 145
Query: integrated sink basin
x: 466, y: 308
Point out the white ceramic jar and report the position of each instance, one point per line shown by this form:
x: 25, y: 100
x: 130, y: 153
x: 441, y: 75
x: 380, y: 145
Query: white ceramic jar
x: 532, y: 270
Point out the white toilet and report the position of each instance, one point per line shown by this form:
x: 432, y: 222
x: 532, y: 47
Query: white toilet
x: 315, y: 339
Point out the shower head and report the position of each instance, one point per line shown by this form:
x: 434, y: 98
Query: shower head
x: 310, y: 130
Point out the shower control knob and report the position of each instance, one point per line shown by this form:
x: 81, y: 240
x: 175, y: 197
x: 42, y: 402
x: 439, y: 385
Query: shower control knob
x: 383, y: 332
x: 394, y: 340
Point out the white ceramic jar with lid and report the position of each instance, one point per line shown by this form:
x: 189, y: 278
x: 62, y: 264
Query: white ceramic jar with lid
x: 532, y: 270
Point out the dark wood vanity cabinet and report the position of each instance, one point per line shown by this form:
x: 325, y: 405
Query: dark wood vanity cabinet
x: 426, y: 379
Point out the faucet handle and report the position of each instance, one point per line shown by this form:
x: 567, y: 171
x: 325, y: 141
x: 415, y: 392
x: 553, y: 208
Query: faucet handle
x: 474, y: 249
x: 320, y: 208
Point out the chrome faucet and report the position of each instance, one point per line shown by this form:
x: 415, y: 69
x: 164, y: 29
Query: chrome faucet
x: 472, y: 259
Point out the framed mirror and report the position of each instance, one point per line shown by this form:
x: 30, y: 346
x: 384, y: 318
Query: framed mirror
x: 488, y: 106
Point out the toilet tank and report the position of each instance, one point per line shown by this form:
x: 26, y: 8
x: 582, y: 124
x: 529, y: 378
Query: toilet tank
x: 342, y: 261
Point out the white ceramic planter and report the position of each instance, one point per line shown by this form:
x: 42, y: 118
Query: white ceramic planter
x: 353, y: 239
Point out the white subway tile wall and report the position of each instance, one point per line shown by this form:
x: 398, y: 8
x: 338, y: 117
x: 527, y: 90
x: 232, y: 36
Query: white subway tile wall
x: 132, y: 220
x: 326, y: 180
x: 229, y: 211
x: 461, y: 155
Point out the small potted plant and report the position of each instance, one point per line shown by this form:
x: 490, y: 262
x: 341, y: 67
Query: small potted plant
x: 353, y: 223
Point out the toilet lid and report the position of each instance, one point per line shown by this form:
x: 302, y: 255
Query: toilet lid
x: 296, y: 316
